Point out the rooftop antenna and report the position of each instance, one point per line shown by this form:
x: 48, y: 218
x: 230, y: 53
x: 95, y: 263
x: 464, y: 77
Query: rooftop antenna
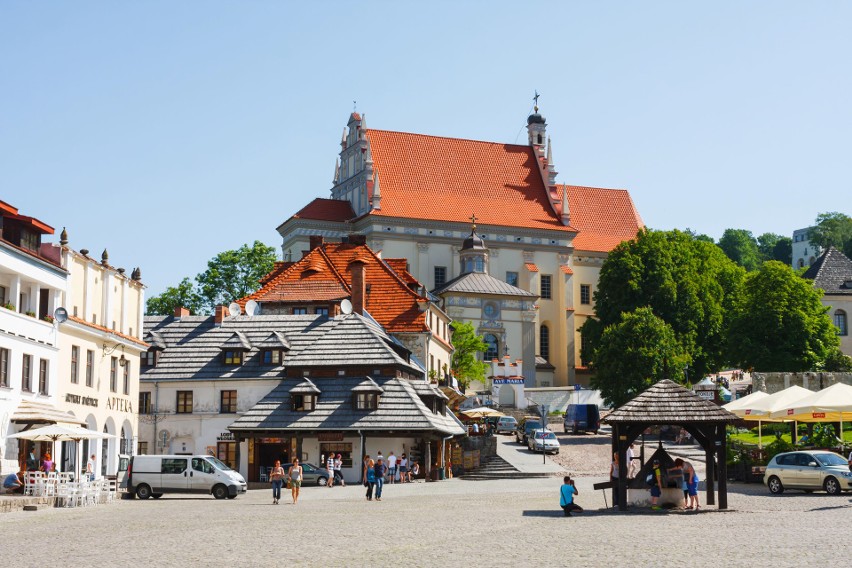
x: 252, y: 308
x: 234, y: 309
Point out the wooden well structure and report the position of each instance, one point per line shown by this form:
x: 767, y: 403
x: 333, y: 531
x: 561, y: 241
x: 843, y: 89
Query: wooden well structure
x: 669, y: 403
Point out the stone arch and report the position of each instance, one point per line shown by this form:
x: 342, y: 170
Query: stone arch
x: 126, y: 444
x: 109, y: 455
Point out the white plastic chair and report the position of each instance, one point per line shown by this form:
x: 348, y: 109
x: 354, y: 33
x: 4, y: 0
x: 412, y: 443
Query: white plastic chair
x: 264, y: 476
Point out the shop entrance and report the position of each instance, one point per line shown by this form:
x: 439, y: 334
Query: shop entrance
x: 266, y: 451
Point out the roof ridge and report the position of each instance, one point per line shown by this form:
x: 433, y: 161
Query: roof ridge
x: 449, y: 138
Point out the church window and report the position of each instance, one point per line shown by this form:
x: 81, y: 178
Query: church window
x: 512, y: 279
x: 841, y: 323
x: 544, y: 342
x: 546, y: 288
x: 440, y: 276
x: 585, y: 294
x: 493, y: 351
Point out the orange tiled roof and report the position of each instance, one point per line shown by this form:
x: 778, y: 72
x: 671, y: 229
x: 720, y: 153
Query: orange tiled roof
x: 531, y: 266
x: 323, y: 275
x: 326, y: 210
x: 500, y: 183
x: 565, y: 269
x: 130, y: 338
x: 603, y: 217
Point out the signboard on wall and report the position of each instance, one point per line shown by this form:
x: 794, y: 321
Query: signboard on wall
x: 508, y: 381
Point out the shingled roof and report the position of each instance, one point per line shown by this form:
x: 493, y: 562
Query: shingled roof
x: 832, y: 272
x: 669, y: 403
x: 481, y: 283
x: 400, y: 409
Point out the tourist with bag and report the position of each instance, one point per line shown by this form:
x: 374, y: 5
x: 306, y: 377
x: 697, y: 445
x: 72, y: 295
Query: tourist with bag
x: 276, y: 477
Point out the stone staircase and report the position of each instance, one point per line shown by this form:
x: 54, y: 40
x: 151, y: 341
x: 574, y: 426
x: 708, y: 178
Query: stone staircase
x: 496, y: 467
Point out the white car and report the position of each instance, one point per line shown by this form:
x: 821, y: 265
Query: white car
x: 543, y: 441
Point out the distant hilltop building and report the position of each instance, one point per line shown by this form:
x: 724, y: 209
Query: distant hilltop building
x: 804, y: 252
x: 415, y: 196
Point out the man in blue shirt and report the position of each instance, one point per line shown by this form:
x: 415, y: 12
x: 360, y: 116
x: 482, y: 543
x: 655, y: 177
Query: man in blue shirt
x: 566, y: 497
x: 12, y: 483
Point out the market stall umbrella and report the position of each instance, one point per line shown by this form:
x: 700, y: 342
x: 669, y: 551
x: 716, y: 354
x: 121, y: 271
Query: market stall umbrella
x: 832, y: 404
x: 61, y: 433
x: 744, y: 402
x: 481, y: 412
x: 760, y: 409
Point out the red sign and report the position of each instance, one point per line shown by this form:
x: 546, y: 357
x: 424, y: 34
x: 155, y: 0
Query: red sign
x: 819, y: 414
x: 790, y: 412
x: 748, y: 412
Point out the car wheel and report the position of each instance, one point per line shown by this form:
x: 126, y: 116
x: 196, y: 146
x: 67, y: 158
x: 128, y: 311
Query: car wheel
x: 156, y: 495
x: 832, y: 487
x: 234, y: 496
x: 143, y: 491
x: 322, y: 481
x: 220, y: 491
x: 775, y: 486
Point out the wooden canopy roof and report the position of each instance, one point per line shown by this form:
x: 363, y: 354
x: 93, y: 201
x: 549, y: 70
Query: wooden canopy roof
x: 669, y: 403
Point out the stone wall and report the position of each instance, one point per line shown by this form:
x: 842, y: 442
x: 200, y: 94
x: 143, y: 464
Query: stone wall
x: 815, y: 381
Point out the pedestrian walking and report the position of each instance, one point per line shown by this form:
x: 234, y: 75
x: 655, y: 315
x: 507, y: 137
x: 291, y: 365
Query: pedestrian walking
x: 338, y: 473
x: 329, y: 465
x: 276, y: 477
x: 364, y: 467
x: 294, y: 476
x: 403, y: 469
x: 566, y: 497
x: 369, y: 477
x: 391, y: 466
x: 90, y: 468
x: 380, y: 471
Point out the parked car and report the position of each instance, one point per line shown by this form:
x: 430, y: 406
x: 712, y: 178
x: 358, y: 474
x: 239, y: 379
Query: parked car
x: 492, y: 421
x: 525, y: 426
x: 506, y: 425
x: 810, y: 471
x: 582, y: 418
x: 543, y: 441
x: 151, y: 476
x: 311, y: 474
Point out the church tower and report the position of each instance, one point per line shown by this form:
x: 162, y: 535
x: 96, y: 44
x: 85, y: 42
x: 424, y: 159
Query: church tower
x: 473, y: 256
x: 354, y: 178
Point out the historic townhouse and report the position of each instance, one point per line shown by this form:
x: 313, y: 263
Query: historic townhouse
x: 413, y: 196
x: 832, y: 272
x: 31, y: 284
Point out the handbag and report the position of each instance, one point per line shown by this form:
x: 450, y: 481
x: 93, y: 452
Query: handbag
x: 288, y: 483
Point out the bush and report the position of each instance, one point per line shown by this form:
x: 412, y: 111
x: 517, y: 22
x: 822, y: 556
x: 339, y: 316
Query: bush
x: 779, y: 446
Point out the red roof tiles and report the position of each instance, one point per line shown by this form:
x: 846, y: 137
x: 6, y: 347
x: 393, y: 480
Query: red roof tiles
x: 326, y: 210
x: 124, y: 336
x: 531, y: 267
x: 604, y: 217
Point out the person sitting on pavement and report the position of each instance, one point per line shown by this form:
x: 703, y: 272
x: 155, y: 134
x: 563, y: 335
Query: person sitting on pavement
x: 13, y: 484
x: 566, y: 497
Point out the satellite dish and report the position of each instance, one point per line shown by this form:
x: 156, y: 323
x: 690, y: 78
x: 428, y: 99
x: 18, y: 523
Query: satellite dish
x: 346, y: 307
x: 252, y: 308
x: 234, y: 309
x: 60, y: 315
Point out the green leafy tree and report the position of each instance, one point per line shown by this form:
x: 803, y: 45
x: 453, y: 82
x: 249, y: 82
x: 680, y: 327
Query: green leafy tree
x: 838, y: 362
x: 234, y: 274
x: 740, y: 246
x: 634, y: 354
x: 690, y: 284
x: 775, y: 247
x: 466, y: 364
x: 183, y: 295
x: 779, y: 323
x: 832, y: 229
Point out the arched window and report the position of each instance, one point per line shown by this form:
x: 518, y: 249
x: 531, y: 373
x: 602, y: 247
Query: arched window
x: 493, y: 351
x: 544, y: 342
x: 841, y: 323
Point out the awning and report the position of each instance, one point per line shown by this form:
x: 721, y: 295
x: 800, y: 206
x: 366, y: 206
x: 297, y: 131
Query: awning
x: 34, y: 412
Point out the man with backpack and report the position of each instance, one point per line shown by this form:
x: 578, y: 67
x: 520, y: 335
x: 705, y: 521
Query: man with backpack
x: 655, y: 479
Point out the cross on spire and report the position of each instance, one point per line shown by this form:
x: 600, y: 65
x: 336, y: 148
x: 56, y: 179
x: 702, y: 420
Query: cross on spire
x: 535, y: 99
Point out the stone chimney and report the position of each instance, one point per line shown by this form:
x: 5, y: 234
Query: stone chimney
x: 316, y: 241
x: 359, y: 286
x: 180, y: 312
x: 219, y: 315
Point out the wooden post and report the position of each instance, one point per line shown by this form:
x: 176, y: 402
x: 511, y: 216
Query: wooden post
x: 723, y: 466
x: 621, y: 486
x: 237, y: 441
x: 613, y: 449
x: 709, y: 457
x: 427, y: 459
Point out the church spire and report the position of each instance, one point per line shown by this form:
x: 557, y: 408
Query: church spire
x: 536, y: 129
x: 336, y: 171
x: 551, y: 167
x: 566, y: 213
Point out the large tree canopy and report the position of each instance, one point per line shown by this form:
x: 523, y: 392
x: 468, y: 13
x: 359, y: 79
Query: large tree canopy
x: 780, y: 324
x: 183, y: 295
x: 833, y: 229
x: 775, y: 247
x: 740, y: 246
x: 466, y: 363
x: 234, y: 274
x: 690, y: 284
x: 636, y: 353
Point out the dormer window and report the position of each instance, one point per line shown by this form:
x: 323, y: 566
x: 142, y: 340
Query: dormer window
x: 304, y: 402
x: 234, y: 358
x: 366, y: 401
x: 149, y: 358
x: 272, y: 356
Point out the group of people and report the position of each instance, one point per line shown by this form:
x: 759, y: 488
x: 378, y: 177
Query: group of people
x: 293, y: 477
x: 689, y: 483
x: 14, y: 482
x: 375, y: 472
x: 334, y: 465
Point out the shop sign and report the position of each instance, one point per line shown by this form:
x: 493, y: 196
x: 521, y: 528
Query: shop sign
x: 120, y: 404
x: 507, y: 381
x: 84, y: 400
x: 330, y: 436
x: 225, y: 437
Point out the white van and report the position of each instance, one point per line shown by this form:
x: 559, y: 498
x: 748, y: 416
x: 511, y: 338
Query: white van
x: 151, y: 476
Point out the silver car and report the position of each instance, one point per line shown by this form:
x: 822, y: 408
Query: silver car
x: 543, y: 441
x: 506, y: 425
x: 810, y: 471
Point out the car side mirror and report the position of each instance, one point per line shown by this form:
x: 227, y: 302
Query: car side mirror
x: 813, y: 464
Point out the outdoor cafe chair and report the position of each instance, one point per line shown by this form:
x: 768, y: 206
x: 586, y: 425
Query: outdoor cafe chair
x: 264, y: 476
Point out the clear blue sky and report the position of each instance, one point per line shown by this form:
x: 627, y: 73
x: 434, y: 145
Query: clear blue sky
x: 170, y: 131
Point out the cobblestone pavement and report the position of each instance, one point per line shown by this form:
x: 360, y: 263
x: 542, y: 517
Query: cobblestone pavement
x: 451, y: 523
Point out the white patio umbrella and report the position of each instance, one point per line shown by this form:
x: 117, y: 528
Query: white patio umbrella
x: 831, y: 404
x: 481, y: 412
x: 760, y: 409
x: 744, y: 402
x: 62, y: 433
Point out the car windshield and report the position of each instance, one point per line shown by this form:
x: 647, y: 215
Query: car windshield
x: 545, y: 435
x: 218, y: 464
x: 532, y: 425
x: 830, y: 459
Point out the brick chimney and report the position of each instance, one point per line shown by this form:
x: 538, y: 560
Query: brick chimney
x: 219, y: 315
x: 316, y: 241
x: 359, y: 286
x: 180, y: 312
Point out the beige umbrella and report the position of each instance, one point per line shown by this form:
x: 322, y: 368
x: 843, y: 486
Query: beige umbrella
x: 62, y: 433
x: 832, y: 404
x: 738, y: 405
x: 481, y: 412
x: 761, y: 408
